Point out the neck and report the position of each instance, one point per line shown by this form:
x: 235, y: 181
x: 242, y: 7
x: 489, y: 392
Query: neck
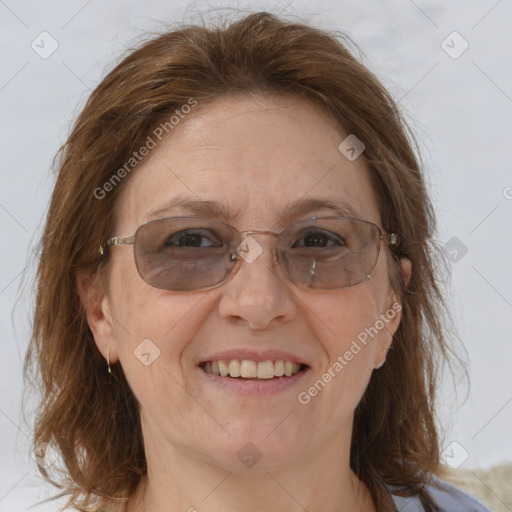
x: 192, y: 482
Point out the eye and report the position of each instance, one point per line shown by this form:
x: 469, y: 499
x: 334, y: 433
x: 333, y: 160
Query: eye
x: 320, y: 239
x: 193, y: 238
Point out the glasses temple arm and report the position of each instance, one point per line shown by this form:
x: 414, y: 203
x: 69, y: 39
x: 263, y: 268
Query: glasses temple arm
x: 390, y: 238
x: 116, y: 241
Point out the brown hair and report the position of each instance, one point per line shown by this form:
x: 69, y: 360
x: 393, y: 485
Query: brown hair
x: 92, y: 418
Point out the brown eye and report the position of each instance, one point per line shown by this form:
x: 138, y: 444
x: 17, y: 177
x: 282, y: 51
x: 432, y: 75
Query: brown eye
x: 193, y: 238
x: 319, y: 238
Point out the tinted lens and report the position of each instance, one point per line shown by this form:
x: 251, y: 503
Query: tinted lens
x: 184, y: 253
x: 329, y: 253
x: 192, y: 253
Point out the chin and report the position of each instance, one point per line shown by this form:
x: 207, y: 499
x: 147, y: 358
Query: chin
x: 256, y: 447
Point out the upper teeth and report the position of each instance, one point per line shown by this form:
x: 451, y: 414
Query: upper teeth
x: 251, y: 369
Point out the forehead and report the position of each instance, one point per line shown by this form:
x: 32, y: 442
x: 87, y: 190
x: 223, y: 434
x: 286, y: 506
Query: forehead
x: 254, y: 162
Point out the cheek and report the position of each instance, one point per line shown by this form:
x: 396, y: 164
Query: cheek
x: 342, y: 316
x: 158, y: 328
x: 351, y: 352
x: 152, y: 327
x: 349, y: 327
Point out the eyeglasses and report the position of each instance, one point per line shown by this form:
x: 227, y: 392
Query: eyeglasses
x: 195, y: 253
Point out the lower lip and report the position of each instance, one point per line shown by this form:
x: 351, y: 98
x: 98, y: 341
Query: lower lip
x: 253, y: 386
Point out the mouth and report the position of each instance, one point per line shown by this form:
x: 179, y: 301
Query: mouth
x: 249, y: 370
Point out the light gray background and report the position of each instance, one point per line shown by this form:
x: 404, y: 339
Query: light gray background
x: 460, y: 109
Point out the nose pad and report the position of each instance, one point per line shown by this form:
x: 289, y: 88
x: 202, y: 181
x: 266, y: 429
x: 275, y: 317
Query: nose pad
x: 276, y: 258
x: 311, y: 273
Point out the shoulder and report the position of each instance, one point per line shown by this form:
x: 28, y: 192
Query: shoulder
x: 448, y: 497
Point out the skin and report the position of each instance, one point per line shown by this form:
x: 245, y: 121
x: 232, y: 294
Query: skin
x: 254, y: 155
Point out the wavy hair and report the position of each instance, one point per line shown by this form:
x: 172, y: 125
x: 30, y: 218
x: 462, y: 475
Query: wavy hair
x: 91, y: 417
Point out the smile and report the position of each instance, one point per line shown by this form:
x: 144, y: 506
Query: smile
x: 248, y: 369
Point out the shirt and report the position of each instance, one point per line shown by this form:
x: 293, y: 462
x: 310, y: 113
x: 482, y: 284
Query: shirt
x: 446, y: 496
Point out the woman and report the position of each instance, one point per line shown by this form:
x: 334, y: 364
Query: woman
x: 237, y: 302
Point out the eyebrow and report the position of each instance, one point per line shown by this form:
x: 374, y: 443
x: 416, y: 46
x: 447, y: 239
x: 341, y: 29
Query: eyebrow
x: 217, y: 210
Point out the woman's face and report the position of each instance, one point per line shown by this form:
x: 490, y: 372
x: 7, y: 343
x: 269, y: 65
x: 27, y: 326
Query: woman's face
x: 254, y: 156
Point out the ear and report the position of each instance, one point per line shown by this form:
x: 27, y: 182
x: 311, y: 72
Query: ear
x: 392, y: 315
x: 406, y: 265
x: 96, y: 305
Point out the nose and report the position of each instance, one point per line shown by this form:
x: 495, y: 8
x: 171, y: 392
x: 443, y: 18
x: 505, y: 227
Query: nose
x: 259, y: 293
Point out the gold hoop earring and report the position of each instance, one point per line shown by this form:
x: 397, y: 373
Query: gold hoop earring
x: 108, y: 361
